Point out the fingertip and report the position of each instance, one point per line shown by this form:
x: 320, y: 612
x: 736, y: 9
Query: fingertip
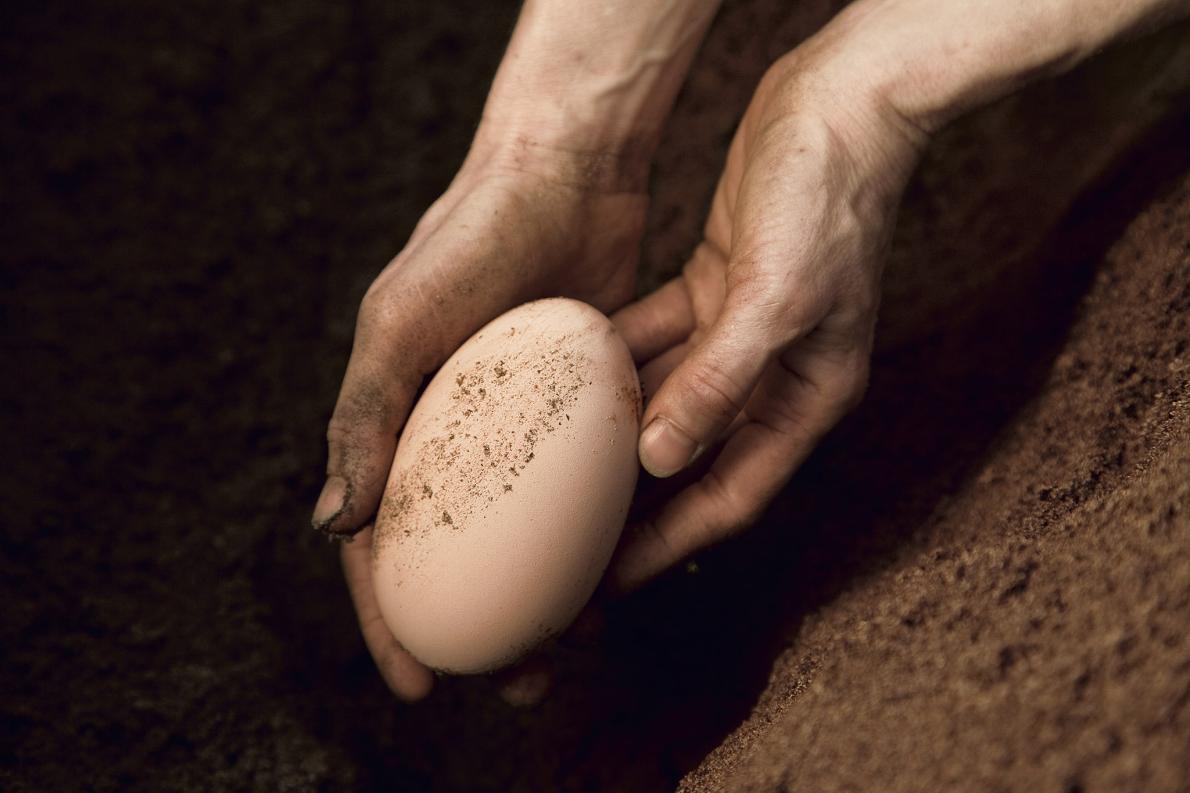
x: 331, y: 507
x: 406, y: 678
x: 526, y: 684
x: 642, y: 554
x: 624, y: 578
x: 589, y: 625
x: 665, y: 449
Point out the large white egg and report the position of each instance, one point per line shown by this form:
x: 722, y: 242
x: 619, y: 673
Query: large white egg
x: 509, y: 489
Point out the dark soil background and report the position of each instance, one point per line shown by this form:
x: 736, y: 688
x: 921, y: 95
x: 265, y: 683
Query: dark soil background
x: 981, y: 581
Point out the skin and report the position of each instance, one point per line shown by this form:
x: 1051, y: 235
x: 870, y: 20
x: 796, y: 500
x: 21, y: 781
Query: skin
x: 762, y: 344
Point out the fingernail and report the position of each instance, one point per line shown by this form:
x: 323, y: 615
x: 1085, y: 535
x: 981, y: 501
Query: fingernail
x: 665, y: 449
x: 330, y: 502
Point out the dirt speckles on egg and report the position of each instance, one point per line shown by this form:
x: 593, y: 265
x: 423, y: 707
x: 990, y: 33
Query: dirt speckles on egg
x: 509, y: 487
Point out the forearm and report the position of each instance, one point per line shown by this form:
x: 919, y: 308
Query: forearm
x: 594, y: 81
x: 930, y: 60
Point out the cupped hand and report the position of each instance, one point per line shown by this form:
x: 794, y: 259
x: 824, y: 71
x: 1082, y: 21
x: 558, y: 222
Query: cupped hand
x: 518, y: 223
x: 762, y: 344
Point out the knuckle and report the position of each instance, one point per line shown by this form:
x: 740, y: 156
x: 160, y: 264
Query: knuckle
x: 734, y: 512
x: 714, y: 392
x: 747, y: 282
x: 870, y: 295
x: 780, y: 313
x: 385, y: 307
x: 858, y: 311
x: 652, y: 529
x: 391, y: 332
x: 853, y: 384
x: 339, y: 432
x: 374, y: 295
x: 802, y: 312
x: 376, y: 309
x: 756, y: 276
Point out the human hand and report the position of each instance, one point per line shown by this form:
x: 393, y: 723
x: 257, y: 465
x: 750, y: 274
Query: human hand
x: 762, y: 344
x: 515, y: 225
x: 550, y: 201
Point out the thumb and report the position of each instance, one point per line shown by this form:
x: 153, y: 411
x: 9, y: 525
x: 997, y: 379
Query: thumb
x: 705, y: 393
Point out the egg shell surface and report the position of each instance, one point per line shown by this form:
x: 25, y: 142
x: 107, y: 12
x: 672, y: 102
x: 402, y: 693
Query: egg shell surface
x: 509, y: 489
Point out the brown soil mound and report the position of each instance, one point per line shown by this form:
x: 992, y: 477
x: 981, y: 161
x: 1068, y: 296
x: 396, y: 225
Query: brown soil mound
x: 1028, y: 632
x: 981, y: 580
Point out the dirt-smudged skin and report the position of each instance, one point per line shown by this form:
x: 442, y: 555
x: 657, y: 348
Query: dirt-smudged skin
x: 510, y: 486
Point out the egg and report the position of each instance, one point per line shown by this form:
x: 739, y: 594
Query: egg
x: 509, y: 489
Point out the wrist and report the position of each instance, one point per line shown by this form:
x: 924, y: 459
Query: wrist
x: 587, y: 87
x: 814, y: 100
x: 579, y: 158
x: 928, y: 61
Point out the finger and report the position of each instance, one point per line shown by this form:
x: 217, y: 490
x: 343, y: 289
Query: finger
x: 708, y: 389
x: 789, y: 413
x: 404, y: 675
x: 653, y: 374
x: 377, y: 392
x: 657, y: 321
x: 527, y: 683
x: 698, y: 400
